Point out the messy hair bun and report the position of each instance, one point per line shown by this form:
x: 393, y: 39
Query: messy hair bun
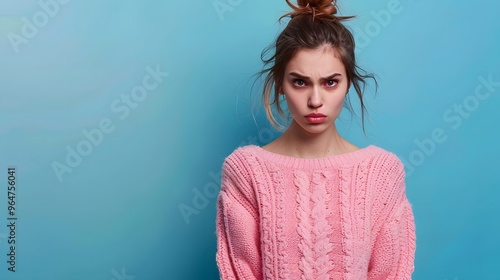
x: 316, y: 8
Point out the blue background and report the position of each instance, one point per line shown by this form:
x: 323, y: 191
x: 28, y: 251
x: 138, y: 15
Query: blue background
x: 117, y: 214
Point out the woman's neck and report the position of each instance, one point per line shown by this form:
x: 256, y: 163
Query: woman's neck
x: 296, y: 142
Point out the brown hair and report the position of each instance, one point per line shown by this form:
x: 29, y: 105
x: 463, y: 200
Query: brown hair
x: 313, y: 24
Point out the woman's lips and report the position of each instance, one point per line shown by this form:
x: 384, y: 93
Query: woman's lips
x: 315, y: 118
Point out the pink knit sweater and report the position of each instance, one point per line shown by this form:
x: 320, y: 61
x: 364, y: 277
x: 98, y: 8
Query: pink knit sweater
x: 340, y: 217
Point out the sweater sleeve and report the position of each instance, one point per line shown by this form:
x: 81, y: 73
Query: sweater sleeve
x: 394, y: 248
x: 238, y: 251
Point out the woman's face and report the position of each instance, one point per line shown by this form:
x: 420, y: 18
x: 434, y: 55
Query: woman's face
x: 315, y: 84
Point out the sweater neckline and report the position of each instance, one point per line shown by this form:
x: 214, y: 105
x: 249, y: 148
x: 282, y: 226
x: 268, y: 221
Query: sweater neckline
x: 345, y: 159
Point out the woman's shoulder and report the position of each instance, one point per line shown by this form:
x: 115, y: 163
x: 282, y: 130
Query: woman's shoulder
x: 241, y: 153
x: 386, y: 159
x: 387, y: 173
x: 239, y: 161
x: 238, y: 176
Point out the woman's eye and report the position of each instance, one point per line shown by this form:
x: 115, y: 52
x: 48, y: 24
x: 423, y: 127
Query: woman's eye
x: 331, y: 83
x: 299, y: 83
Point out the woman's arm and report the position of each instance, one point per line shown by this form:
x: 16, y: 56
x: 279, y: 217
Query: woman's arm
x: 238, y: 242
x: 393, y: 252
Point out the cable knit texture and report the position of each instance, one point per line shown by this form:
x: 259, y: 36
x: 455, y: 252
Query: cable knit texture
x: 340, y: 217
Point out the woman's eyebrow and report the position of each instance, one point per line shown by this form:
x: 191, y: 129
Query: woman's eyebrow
x: 302, y: 77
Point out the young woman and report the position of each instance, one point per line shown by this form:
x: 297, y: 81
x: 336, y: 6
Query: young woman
x: 311, y: 205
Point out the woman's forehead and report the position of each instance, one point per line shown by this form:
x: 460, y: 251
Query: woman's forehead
x: 322, y: 61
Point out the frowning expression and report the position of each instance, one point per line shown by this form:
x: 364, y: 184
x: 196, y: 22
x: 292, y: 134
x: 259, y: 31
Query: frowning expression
x: 315, y: 85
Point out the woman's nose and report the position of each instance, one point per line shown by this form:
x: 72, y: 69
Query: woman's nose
x: 315, y: 100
